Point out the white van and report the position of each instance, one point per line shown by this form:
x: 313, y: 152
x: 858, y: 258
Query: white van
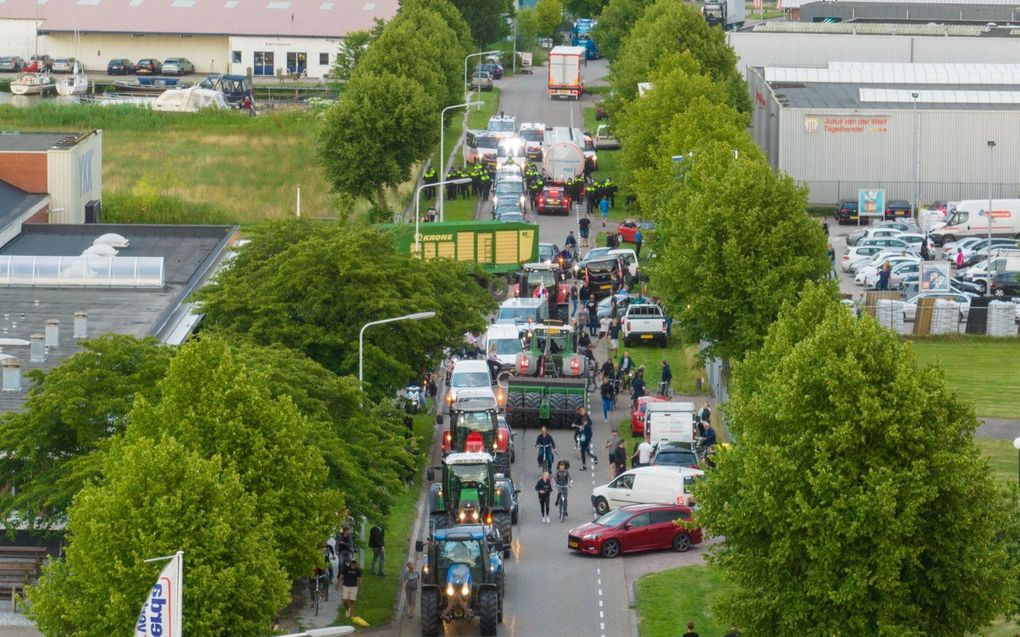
x: 506, y: 338
x: 646, y: 485
x: 466, y: 374
x: 669, y: 421
x: 968, y: 219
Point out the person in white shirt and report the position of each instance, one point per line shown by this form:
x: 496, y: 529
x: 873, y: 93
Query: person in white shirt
x: 643, y: 455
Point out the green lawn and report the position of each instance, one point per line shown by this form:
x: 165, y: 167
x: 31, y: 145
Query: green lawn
x: 669, y: 599
x: 377, y: 597
x: 1003, y: 459
x: 984, y: 371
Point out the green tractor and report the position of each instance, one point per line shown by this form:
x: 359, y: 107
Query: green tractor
x: 462, y: 579
x: 467, y: 494
x: 551, y: 379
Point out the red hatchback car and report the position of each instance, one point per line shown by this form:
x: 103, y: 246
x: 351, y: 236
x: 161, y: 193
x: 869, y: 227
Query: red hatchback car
x: 637, y: 416
x: 553, y: 199
x: 635, y: 527
x: 629, y: 227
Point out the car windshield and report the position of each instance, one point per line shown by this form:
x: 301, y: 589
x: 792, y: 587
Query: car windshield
x: 676, y: 458
x: 595, y: 253
x: 557, y: 339
x: 501, y: 126
x: 486, y: 142
x: 517, y: 314
x: 543, y: 277
x: 506, y: 346
x: 546, y: 251
x: 532, y: 135
x: 614, y: 518
x: 470, y: 379
x: 601, y: 267
x: 460, y: 552
x: 509, y: 187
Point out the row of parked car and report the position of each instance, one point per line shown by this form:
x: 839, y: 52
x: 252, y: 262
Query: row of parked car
x: 117, y: 66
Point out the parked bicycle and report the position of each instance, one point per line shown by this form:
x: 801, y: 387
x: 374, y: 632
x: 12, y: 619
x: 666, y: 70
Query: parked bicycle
x: 319, y: 588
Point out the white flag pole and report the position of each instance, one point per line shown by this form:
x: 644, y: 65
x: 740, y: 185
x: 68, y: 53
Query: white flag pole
x: 161, y: 612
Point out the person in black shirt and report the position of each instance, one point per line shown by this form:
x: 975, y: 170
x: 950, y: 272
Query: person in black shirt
x: 690, y: 630
x: 608, y: 392
x: 376, y: 543
x: 546, y: 446
x: 637, y: 386
x: 620, y: 457
x: 544, y: 487
x: 584, y: 224
x: 351, y: 579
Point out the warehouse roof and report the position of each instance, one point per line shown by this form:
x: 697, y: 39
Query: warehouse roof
x: 37, y: 142
x: 882, y: 28
x: 819, y: 95
x: 296, y: 18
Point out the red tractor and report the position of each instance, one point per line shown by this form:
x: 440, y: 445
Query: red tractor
x: 545, y: 278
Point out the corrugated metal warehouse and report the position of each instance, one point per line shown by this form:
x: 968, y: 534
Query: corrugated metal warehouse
x: 261, y: 37
x: 849, y: 126
x: 978, y: 11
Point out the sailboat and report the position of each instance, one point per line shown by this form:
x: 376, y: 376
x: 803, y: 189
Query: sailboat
x: 75, y: 84
x: 32, y: 81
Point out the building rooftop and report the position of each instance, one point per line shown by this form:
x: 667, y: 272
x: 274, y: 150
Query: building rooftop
x: 296, y: 18
x: 872, y: 96
x: 18, y: 141
x: 14, y: 202
x: 887, y: 28
x: 191, y: 254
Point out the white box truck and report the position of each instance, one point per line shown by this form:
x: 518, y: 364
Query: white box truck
x: 970, y: 218
x: 669, y: 421
x: 729, y: 14
x: 565, y: 79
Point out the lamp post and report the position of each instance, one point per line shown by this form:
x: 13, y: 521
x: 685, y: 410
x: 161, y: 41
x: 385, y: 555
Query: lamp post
x: 417, y: 204
x: 917, y: 162
x: 417, y: 316
x: 467, y: 87
x: 991, y: 169
x: 442, y: 148
x: 1016, y: 445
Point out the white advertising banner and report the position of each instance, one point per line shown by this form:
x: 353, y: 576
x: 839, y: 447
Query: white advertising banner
x: 161, y: 612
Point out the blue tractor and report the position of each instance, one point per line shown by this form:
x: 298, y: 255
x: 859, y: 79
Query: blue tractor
x: 581, y: 36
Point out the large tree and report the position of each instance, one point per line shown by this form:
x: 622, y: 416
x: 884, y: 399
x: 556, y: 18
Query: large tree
x: 485, y: 18
x: 584, y: 8
x: 673, y: 27
x: 548, y: 18
x: 352, y: 48
x: 734, y: 242
x: 615, y: 22
x: 855, y: 501
x: 382, y: 124
x: 158, y: 496
x: 215, y: 405
x: 45, y: 449
x: 314, y: 291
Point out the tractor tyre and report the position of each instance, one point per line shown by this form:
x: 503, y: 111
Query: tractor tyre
x: 557, y: 405
x: 563, y: 314
x: 575, y: 401
x: 439, y: 520
x: 488, y: 612
x: 532, y: 403
x: 430, y: 609
x: 503, y: 522
x: 501, y: 464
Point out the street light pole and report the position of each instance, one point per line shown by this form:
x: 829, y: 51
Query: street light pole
x: 417, y: 206
x: 418, y: 316
x: 991, y: 169
x: 917, y: 162
x: 442, y: 148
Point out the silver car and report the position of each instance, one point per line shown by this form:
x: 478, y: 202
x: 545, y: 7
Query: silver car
x: 178, y: 66
x: 481, y: 81
x: 63, y: 65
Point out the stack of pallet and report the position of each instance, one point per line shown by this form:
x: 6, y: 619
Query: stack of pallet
x: 890, y: 314
x: 945, y: 317
x: 1001, y: 318
x: 19, y: 566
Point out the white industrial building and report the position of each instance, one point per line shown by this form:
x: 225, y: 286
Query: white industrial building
x: 260, y: 37
x: 848, y: 126
x: 920, y: 11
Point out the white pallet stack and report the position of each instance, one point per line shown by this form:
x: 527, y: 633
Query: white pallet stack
x: 889, y: 313
x: 1001, y: 318
x: 945, y: 317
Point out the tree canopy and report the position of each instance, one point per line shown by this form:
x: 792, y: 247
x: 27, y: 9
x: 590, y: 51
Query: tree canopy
x: 314, y: 291
x: 158, y: 496
x: 734, y: 242
x: 485, y: 19
x: 71, y: 410
x: 615, y: 22
x: 855, y: 501
x: 672, y: 27
x: 352, y: 48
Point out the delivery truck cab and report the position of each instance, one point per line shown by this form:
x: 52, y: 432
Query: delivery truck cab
x: 970, y: 219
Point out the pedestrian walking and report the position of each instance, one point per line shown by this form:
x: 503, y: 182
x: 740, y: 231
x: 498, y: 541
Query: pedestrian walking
x: 584, y: 227
x: 607, y: 392
x: 638, y: 241
x: 620, y: 457
x: 544, y: 487
x: 593, y: 316
x: 642, y: 453
x: 575, y: 293
x: 959, y: 259
x: 350, y: 577
x: 409, y: 578
x: 377, y: 543
x: 614, y: 337
x: 585, y: 442
x: 604, y: 210
x: 611, y: 451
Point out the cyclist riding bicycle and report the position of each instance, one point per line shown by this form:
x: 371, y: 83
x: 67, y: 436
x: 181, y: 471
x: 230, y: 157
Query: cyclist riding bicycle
x: 546, y: 446
x: 563, y: 482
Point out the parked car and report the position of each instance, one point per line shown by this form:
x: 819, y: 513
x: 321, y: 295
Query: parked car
x: 120, y: 66
x: 674, y: 454
x: 493, y: 69
x: 11, y: 64
x: 63, y: 65
x: 868, y: 275
x: 910, y: 305
x: 644, y: 322
x: 875, y: 232
x: 638, y: 527
x: 45, y: 62
x: 605, y: 306
x: 553, y: 199
x: 859, y: 255
x: 846, y: 211
x: 885, y: 242
x: 604, y: 139
x: 903, y: 225
x: 178, y: 66
x: 949, y: 248
x: 482, y: 81
x: 1005, y: 284
x: 898, y: 209
x: 629, y: 227
x: 637, y: 415
x: 149, y: 66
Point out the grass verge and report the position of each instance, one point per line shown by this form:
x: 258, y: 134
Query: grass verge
x: 669, y: 599
x: 983, y: 370
x: 1003, y: 459
x: 195, y: 167
x: 377, y: 597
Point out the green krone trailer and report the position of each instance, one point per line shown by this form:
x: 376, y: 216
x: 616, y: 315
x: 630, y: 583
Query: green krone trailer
x: 499, y: 248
